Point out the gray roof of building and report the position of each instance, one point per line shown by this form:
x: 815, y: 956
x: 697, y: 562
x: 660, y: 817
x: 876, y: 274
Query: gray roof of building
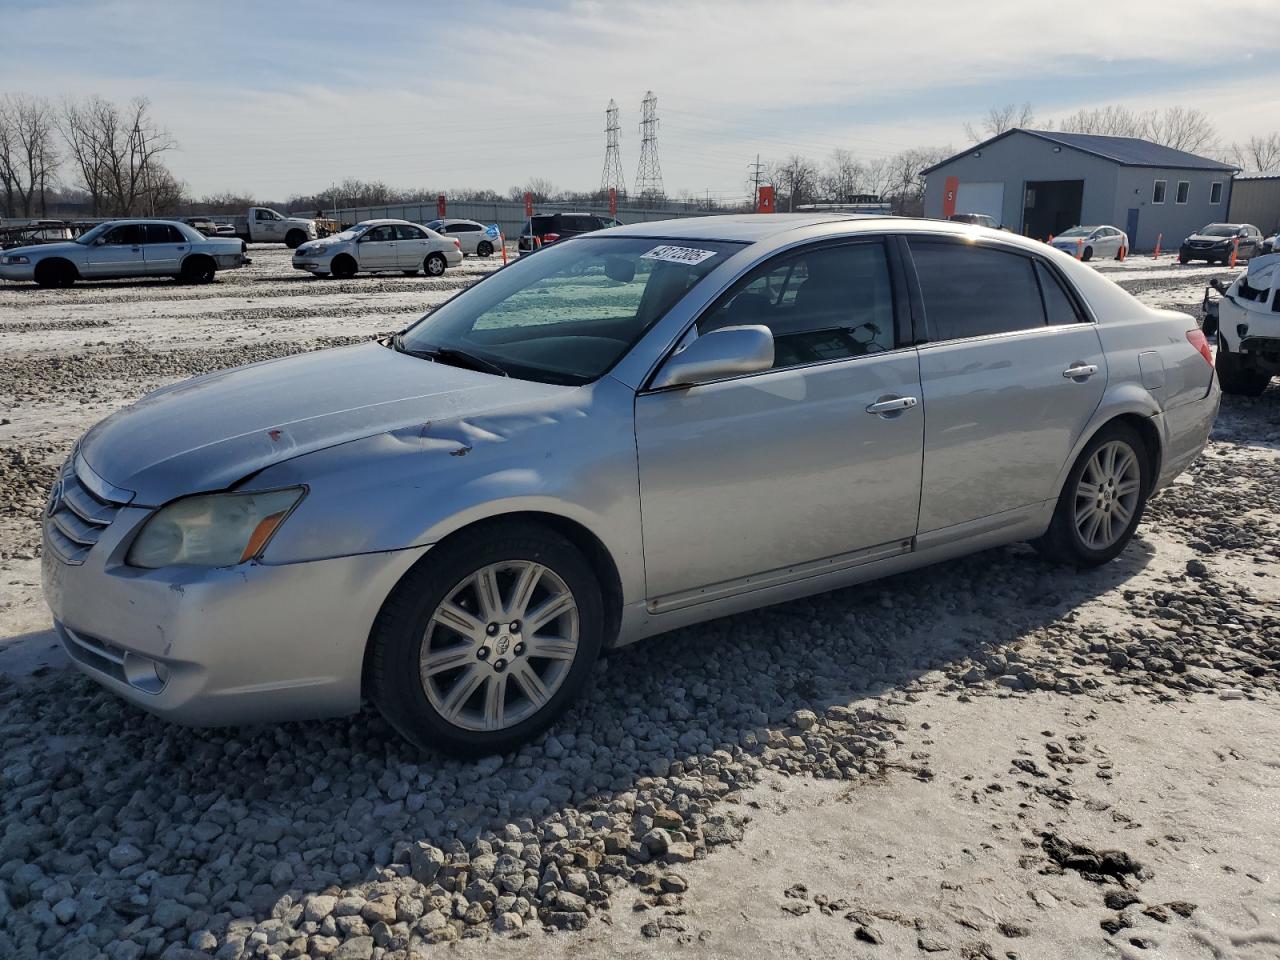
x: 1126, y: 151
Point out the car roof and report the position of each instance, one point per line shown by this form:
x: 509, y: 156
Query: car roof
x: 748, y: 227
x: 377, y: 222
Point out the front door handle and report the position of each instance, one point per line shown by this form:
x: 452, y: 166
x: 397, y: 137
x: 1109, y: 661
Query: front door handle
x: 1080, y: 371
x: 892, y: 405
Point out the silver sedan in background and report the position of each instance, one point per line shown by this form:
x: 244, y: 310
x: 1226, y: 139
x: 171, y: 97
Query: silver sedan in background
x: 633, y: 431
x: 125, y: 248
x: 1090, y: 242
x: 474, y: 238
x: 379, y: 246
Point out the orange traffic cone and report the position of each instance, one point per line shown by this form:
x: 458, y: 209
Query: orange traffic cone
x: 1080, y: 249
x: 1235, y: 250
x: 503, y: 240
x: 1122, y: 253
x: 1156, y: 255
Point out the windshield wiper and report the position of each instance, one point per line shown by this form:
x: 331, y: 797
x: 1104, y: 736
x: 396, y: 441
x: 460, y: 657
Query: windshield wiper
x: 449, y: 355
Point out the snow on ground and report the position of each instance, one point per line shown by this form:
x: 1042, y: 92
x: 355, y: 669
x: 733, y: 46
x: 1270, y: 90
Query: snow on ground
x: 988, y: 758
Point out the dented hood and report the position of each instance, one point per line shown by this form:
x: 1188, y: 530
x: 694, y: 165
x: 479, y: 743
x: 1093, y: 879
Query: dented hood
x: 210, y: 432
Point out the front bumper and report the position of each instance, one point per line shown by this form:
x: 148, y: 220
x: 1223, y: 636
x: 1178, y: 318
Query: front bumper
x: 1208, y: 254
x: 252, y: 643
x: 18, y: 272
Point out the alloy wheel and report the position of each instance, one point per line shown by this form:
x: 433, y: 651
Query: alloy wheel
x: 499, y: 645
x: 1107, y: 495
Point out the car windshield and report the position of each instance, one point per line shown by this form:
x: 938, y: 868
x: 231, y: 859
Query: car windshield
x: 351, y: 232
x: 433, y: 224
x: 1220, y: 230
x: 1077, y: 232
x: 570, y: 313
x: 94, y: 234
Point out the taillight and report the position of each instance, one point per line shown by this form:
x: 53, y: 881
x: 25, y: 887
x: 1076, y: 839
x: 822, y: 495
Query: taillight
x: 1197, y: 339
x: 457, y: 243
x: 550, y: 237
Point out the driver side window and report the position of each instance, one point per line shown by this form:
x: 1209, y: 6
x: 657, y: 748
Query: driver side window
x: 831, y: 302
x: 129, y: 235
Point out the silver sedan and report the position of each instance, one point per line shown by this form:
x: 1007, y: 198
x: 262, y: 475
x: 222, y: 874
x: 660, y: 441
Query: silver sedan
x: 378, y: 246
x: 125, y: 248
x: 636, y: 430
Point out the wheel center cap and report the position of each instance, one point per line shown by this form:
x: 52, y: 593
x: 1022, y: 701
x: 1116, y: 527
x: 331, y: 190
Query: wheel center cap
x: 503, y: 643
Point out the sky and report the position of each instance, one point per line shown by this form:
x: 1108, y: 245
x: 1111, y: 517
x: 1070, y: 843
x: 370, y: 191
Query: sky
x: 272, y: 99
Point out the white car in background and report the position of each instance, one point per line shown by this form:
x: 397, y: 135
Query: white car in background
x: 379, y: 246
x: 1090, y: 242
x: 475, y: 238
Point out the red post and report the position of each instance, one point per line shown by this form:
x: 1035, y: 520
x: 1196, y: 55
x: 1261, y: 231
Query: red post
x: 503, y: 240
x: 1156, y: 255
x: 1235, y: 250
x: 613, y: 202
x: 528, y: 204
x: 949, y: 190
x: 441, y: 207
x: 766, y: 201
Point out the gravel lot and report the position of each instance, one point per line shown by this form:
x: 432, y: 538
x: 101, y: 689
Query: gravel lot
x: 988, y: 758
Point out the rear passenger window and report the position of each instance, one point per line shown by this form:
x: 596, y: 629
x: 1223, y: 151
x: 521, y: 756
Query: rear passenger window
x: 825, y: 303
x: 405, y: 231
x: 971, y: 291
x: 163, y: 233
x: 1057, y: 304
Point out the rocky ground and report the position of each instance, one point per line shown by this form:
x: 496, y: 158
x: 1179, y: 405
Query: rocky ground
x: 989, y: 758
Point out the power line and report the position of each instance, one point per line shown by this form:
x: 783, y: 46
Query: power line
x: 612, y: 176
x: 649, y: 176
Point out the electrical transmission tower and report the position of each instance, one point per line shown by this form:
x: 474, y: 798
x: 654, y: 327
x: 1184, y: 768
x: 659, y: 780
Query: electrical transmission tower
x: 649, y: 176
x: 612, y: 176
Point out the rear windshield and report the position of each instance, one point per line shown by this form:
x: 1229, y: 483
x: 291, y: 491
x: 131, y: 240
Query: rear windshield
x: 570, y: 313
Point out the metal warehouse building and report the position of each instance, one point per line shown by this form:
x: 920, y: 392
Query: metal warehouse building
x: 1255, y: 198
x: 1040, y: 182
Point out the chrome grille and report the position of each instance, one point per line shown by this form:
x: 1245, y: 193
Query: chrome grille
x: 76, y: 516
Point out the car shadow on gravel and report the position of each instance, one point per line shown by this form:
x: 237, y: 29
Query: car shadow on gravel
x: 162, y: 832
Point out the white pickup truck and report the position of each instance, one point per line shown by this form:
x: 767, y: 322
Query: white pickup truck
x: 264, y: 225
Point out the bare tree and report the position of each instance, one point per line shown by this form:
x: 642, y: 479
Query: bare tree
x: 543, y: 190
x: 905, y: 178
x: 1183, y: 129
x: 117, y: 154
x: 1257, y: 154
x: 1179, y: 127
x: 842, y: 180
x: 1000, y: 119
x: 28, y: 152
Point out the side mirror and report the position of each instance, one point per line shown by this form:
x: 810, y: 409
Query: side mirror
x: 721, y: 353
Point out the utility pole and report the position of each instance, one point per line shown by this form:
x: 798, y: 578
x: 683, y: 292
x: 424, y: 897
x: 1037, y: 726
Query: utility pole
x: 612, y: 176
x: 755, y: 181
x: 649, y: 176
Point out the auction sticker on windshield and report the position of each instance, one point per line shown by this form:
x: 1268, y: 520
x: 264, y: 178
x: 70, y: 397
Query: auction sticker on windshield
x: 686, y: 255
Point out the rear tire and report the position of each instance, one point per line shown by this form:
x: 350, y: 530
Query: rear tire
x: 55, y: 273
x: 343, y: 266
x: 197, y: 270
x: 484, y: 249
x: 484, y: 675
x: 294, y: 239
x: 1108, y: 485
x: 1234, y: 375
x: 435, y: 264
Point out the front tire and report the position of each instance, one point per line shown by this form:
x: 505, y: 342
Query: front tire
x: 343, y: 267
x: 479, y: 648
x: 1183, y: 258
x: 1088, y: 254
x: 294, y: 239
x: 435, y: 264
x: 1234, y: 375
x: 484, y: 248
x: 1102, y: 501
x: 55, y: 273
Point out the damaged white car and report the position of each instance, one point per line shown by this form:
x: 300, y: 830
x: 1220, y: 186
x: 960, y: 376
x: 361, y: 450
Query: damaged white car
x: 1249, y: 329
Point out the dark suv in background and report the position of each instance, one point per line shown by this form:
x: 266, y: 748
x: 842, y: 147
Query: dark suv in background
x: 550, y: 227
x: 1215, y: 242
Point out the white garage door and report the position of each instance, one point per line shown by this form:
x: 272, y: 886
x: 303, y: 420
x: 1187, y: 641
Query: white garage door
x: 985, y: 198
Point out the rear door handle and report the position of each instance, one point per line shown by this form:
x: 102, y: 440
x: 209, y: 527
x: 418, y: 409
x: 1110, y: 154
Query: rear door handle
x: 1080, y: 371
x: 892, y: 405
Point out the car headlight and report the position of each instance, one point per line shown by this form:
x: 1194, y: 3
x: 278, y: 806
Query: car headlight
x: 15, y: 260
x: 212, y: 530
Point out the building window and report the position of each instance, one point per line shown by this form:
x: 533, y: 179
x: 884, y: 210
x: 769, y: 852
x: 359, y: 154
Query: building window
x: 1184, y: 191
x: 1215, y: 192
x: 1157, y: 195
